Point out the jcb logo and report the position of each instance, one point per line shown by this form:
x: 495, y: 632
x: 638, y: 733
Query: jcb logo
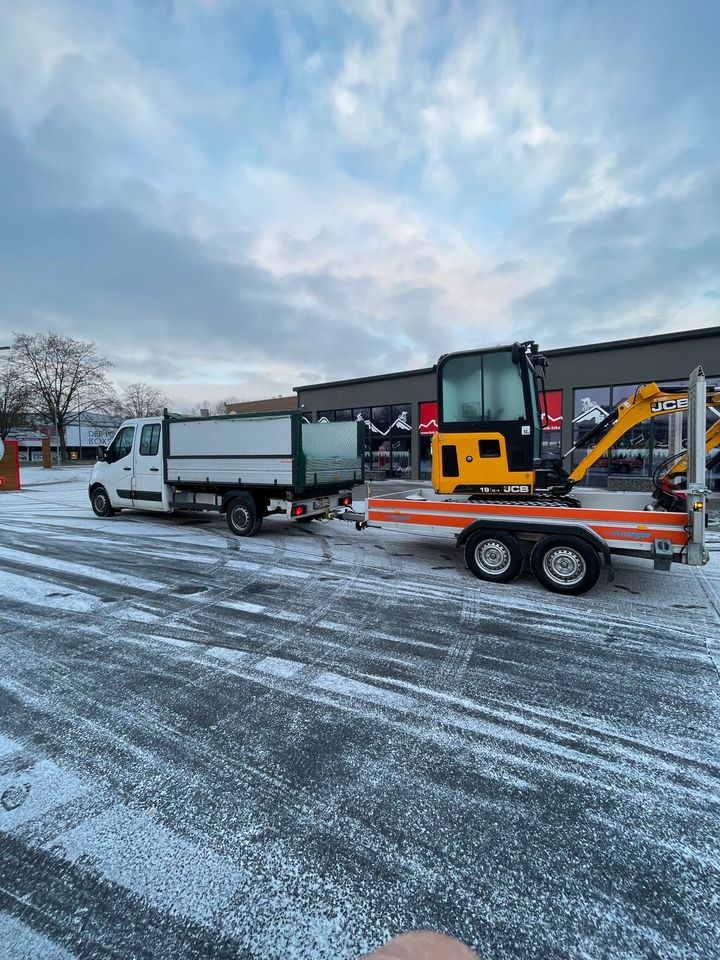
x: 516, y: 488
x: 663, y: 406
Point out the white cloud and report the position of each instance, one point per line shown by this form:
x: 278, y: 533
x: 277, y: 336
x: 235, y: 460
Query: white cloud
x: 428, y: 177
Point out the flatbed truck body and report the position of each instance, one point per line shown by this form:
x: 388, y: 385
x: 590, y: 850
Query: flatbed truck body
x: 247, y: 467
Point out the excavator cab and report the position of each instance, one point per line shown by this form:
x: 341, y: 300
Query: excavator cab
x: 489, y: 432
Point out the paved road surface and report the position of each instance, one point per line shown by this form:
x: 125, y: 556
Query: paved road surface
x: 300, y: 744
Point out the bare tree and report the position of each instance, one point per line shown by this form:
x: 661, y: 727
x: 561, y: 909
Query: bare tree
x: 66, y: 376
x: 142, y: 400
x: 14, y: 399
x: 217, y: 408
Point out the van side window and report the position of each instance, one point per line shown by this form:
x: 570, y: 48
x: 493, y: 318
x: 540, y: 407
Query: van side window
x: 149, y: 439
x: 121, y: 445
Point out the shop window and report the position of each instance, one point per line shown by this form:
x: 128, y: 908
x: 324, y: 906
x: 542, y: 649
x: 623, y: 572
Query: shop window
x: 625, y: 391
x: 381, y: 456
x: 381, y: 420
x: 326, y: 416
x: 344, y: 414
x: 591, y: 405
x: 401, y: 418
x: 362, y: 413
x: 425, y: 457
x: 400, y: 463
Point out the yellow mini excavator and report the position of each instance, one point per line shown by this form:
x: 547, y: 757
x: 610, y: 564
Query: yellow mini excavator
x: 488, y: 443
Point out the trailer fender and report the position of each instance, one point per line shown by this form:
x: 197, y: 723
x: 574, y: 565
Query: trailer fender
x: 542, y: 528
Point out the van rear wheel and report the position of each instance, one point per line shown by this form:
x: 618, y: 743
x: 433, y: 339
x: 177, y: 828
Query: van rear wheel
x: 242, y: 517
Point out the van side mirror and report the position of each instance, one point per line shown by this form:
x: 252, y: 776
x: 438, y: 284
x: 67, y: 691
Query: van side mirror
x: 100, y: 453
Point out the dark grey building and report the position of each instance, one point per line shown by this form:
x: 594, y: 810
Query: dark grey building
x: 583, y: 383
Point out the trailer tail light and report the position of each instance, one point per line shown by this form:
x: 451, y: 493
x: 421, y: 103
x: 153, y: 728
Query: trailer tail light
x: 298, y: 510
x: 344, y: 501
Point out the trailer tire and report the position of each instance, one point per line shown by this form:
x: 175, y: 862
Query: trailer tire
x: 100, y: 502
x: 565, y: 564
x: 493, y: 556
x: 242, y: 516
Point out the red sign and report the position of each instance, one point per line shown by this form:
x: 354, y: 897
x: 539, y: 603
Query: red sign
x: 429, y: 417
x: 551, y: 419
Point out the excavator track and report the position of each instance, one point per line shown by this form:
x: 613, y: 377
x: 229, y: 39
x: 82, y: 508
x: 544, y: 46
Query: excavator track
x: 536, y: 501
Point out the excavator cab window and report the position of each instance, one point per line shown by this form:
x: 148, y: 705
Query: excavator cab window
x: 484, y: 387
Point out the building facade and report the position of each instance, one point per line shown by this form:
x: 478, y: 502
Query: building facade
x: 583, y: 384
x: 83, y: 435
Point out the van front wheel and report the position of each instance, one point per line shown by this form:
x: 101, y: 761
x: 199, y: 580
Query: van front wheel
x: 100, y: 503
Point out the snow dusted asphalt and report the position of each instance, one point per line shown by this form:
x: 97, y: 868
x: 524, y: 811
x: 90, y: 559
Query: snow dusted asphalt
x: 300, y: 744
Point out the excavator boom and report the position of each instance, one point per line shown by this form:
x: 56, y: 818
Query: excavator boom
x: 647, y: 402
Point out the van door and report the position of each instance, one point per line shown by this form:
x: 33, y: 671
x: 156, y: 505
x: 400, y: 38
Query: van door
x: 148, y: 480
x: 117, y: 478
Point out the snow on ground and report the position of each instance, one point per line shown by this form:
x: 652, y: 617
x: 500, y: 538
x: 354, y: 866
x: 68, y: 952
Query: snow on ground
x: 300, y: 744
x: 34, y: 475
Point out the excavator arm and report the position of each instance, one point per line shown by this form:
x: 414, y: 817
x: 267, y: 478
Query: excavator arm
x: 668, y: 493
x: 647, y: 402
x: 712, y: 440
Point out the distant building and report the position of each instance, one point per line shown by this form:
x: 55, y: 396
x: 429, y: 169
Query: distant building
x: 271, y: 405
x: 83, y: 435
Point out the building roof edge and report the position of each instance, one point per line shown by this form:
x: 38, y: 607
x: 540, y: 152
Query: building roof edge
x: 696, y: 334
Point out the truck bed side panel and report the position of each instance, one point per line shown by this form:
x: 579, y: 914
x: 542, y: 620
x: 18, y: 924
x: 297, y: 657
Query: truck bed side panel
x: 231, y: 451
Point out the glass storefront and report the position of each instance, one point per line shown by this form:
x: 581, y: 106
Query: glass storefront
x: 390, y: 435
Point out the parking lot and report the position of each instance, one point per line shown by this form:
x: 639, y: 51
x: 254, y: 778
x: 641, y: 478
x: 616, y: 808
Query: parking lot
x: 299, y: 744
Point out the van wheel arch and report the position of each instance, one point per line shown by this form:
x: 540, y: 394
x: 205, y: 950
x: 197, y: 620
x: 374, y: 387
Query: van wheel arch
x: 100, y: 501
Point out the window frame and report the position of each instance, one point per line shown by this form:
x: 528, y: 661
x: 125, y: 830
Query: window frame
x: 155, y: 436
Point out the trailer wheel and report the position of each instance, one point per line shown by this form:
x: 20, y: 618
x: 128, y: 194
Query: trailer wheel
x: 565, y: 564
x: 242, y: 518
x: 100, y: 502
x: 496, y: 557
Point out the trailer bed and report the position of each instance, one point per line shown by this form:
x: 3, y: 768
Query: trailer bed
x: 624, y: 528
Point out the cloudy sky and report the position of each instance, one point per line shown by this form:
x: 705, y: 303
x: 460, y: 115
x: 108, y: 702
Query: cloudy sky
x: 235, y: 197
